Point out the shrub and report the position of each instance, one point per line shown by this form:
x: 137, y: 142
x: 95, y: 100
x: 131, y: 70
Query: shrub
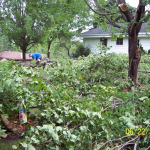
x: 103, y: 49
x: 82, y: 51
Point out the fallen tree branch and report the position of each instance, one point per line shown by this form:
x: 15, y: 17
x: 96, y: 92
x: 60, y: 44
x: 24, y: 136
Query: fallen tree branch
x: 68, y: 124
x: 136, y: 143
x: 6, y: 123
x: 148, y: 148
x: 127, y: 145
x: 126, y: 142
x: 39, y: 92
x: 41, y: 64
x: 119, y: 140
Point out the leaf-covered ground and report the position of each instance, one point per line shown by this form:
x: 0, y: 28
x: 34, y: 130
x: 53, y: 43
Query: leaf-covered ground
x: 85, y: 103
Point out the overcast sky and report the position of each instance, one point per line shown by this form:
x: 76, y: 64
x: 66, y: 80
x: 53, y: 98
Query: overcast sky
x: 133, y: 3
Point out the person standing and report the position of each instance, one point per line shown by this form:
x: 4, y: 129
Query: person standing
x: 73, y: 55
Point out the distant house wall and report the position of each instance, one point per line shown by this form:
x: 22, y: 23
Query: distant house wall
x: 145, y: 41
x: 92, y: 43
x: 118, y: 48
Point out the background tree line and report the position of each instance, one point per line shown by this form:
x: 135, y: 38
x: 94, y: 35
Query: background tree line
x: 30, y: 23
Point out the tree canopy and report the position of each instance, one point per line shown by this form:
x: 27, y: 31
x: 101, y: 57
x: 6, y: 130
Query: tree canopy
x: 26, y: 23
x: 23, y: 22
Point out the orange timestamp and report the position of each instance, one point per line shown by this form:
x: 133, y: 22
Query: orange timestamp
x: 137, y: 131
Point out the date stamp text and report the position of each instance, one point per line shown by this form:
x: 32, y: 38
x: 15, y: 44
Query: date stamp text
x: 137, y: 131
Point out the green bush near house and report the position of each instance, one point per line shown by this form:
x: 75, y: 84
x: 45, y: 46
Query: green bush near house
x: 82, y: 51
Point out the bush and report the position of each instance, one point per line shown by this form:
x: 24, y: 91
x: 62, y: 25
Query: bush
x: 103, y: 49
x: 142, y: 50
x: 82, y: 51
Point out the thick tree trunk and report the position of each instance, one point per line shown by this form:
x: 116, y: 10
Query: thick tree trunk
x: 134, y: 58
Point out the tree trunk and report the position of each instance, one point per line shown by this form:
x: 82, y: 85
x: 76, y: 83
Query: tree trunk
x: 48, y: 53
x: 24, y: 53
x: 134, y: 58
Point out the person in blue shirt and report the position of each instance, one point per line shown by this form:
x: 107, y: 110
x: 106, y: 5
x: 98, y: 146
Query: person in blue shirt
x: 36, y: 56
x: 73, y: 55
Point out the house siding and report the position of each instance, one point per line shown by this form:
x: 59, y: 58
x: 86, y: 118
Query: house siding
x: 92, y: 43
x: 92, y: 37
x: 145, y: 42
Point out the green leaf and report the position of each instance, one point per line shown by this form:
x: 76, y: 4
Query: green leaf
x: 147, y: 122
x: 55, y: 136
x: 24, y: 144
x: 14, y: 147
x: 30, y: 147
x: 19, y: 80
x: 60, y: 121
x: 35, y: 140
x: 58, y: 128
x: 142, y: 98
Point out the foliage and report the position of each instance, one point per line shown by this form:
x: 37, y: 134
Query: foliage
x: 4, y: 43
x: 82, y: 103
x: 29, y: 23
x: 103, y: 49
x: 23, y: 23
x: 82, y: 50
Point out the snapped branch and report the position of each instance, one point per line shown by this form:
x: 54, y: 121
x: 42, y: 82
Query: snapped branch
x: 124, y: 11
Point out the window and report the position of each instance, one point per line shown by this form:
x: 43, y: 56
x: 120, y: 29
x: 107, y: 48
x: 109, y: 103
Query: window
x: 119, y: 41
x: 103, y: 41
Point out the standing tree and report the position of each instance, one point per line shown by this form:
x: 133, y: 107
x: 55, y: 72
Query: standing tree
x: 65, y: 16
x: 108, y: 11
x: 23, y: 21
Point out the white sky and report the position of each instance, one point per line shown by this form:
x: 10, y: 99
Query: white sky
x: 133, y: 3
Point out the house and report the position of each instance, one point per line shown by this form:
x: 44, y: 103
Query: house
x: 96, y: 35
x: 17, y: 56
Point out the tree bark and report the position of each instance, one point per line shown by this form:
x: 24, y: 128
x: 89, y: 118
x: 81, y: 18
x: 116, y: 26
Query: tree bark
x: 24, y: 53
x: 134, y: 58
x: 48, y: 53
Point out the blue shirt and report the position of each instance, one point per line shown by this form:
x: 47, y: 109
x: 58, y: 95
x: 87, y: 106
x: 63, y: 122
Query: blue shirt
x: 73, y: 54
x: 36, y: 56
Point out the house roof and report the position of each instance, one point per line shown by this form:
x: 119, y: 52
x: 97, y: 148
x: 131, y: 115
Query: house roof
x: 96, y: 31
x: 11, y: 55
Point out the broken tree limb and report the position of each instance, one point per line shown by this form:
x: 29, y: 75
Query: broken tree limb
x: 41, y: 64
x: 6, y: 123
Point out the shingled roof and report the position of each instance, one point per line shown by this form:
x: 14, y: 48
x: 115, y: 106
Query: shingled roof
x: 100, y: 31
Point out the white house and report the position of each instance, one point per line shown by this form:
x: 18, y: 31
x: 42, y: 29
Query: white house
x: 96, y: 35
